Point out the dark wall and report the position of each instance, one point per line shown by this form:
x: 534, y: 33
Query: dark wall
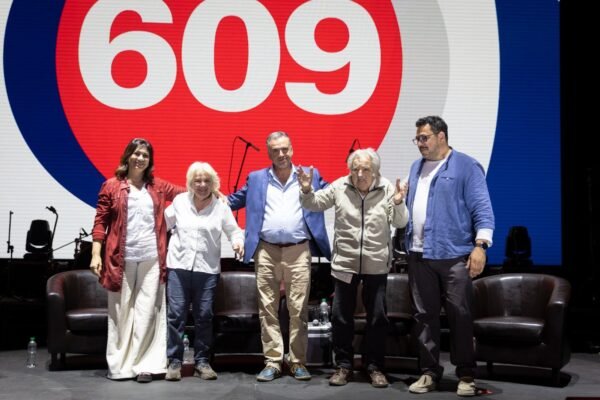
x: 580, y: 169
x: 580, y: 161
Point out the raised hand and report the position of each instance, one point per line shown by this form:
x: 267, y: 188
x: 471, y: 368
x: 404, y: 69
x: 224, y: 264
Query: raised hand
x: 304, y: 179
x: 401, y: 189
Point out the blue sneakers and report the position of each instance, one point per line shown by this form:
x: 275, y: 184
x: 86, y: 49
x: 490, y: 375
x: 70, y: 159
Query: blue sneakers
x: 268, y: 374
x: 300, y: 372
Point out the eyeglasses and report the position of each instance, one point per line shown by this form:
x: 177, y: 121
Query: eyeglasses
x: 422, y: 138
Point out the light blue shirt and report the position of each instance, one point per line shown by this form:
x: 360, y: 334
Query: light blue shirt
x: 458, y: 208
x: 283, y: 221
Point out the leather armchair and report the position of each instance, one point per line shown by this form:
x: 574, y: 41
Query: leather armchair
x: 520, y: 319
x: 400, y: 342
x: 77, y: 315
x: 236, y: 324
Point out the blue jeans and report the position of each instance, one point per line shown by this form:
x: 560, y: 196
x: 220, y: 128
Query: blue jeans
x: 199, y: 290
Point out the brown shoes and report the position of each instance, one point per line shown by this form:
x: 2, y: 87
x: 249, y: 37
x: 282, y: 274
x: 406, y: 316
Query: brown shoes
x: 340, y: 377
x: 378, y: 379
x: 204, y: 371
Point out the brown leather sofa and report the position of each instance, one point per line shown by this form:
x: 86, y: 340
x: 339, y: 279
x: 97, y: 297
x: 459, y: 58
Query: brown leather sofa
x: 400, y: 342
x: 77, y: 315
x: 520, y: 319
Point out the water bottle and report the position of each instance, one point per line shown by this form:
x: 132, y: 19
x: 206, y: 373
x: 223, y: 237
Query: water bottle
x: 188, y: 353
x: 31, y: 352
x: 324, y: 312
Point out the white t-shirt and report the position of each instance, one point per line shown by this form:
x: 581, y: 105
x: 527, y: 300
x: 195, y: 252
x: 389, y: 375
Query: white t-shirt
x: 140, y: 240
x: 419, y: 210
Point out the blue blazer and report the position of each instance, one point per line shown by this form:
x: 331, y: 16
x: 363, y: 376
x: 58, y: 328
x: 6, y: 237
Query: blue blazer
x: 253, y: 196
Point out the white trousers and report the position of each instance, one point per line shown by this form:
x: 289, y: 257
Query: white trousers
x: 137, y: 323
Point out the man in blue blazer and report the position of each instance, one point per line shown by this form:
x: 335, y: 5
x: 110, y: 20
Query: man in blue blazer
x: 282, y: 237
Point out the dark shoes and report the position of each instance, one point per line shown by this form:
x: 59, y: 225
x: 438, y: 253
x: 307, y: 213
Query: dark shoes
x: 268, y: 374
x: 378, y: 379
x: 340, y: 377
x: 144, y: 377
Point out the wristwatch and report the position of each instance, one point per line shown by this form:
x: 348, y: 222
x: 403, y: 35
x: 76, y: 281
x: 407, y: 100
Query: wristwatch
x: 483, y: 245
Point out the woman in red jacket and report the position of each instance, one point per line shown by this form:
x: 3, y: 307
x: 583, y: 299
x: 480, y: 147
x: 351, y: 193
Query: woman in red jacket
x: 129, y: 223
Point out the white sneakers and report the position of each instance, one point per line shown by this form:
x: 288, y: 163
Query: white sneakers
x: 466, y: 386
x: 423, y: 385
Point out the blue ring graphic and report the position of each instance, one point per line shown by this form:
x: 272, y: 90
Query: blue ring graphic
x: 32, y: 88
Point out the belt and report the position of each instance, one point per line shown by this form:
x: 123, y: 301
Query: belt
x: 286, y: 244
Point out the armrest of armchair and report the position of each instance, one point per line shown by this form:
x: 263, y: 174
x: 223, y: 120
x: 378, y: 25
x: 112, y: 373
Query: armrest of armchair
x: 556, y: 312
x: 57, y: 325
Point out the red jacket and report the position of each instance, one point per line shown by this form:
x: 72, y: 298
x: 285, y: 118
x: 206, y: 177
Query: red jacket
x: 110, y: 226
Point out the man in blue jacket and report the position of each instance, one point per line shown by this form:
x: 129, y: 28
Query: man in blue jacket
x: 282, y: 237
x: 450, y: 227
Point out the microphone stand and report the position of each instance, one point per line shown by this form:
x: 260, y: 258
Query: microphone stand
x: 76, y: 241
x: 51, y: 252
x: 237, y: 181
x: 9, y: 249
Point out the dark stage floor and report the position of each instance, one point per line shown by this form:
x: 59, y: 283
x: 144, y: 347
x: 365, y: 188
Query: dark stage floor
x: 86, y: 380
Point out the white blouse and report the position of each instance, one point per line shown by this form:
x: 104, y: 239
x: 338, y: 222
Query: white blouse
x: 196, y: 236
x: 140, y: 240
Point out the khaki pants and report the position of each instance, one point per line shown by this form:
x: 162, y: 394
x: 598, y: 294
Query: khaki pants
x: 292, y: 265
x: 137, y: 323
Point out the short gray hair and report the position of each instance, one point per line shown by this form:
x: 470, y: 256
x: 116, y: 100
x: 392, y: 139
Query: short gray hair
x: 276, y: 135
x: 369, y: 153
x: 202, y: 167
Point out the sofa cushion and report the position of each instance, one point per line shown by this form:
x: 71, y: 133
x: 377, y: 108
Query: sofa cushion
x: 236, y: 323
x: 87, y: 319
x: 509, y: 328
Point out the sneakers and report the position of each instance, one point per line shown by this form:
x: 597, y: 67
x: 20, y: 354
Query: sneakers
x: 174, y: 371
x: 340, y: 377
x: 268, y: 374
x: 300, y: 372
x: 466, y: 387
x: 378, y: 379
x: 144, y: 377
x: 423, y: 385
x: 205, y: 371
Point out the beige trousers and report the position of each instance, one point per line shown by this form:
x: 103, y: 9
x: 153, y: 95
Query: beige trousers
x: 137, y: 323
x: 292, y: 265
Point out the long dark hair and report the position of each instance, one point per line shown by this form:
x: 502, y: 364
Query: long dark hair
x: 122, y: 169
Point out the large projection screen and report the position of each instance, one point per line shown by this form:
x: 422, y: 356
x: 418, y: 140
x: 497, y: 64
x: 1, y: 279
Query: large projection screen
x: 80, y: 78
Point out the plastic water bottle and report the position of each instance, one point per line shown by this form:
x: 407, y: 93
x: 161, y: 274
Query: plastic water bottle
x: 324, y: 312
x: 188, y: 353
x: 31, y: 352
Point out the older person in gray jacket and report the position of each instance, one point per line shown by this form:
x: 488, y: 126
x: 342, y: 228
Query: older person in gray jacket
x: 366, y: 204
